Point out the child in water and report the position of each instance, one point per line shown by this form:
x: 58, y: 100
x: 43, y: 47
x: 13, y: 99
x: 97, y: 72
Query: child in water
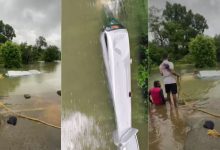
x: 156, y: 94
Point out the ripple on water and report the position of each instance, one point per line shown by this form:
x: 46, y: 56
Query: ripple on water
x: 80, y: 132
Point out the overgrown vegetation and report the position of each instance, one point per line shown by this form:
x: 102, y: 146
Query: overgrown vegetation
x: 143, y: 66
x: 203, y: 51
x: 172, y: 31
x: 13, y: 55
x: 51, y: 53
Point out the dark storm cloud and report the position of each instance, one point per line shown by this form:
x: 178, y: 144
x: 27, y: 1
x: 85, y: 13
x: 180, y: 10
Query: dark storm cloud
x: 33, y: 18
x: 210, y: 9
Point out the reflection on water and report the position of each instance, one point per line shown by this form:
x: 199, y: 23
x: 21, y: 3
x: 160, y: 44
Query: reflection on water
x: 44, y: 104
x: 85, y: 87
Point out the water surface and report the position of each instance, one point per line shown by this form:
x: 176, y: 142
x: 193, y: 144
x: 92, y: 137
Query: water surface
x: 87, y: 108
x: 44, y: 104
x: 175, y: 129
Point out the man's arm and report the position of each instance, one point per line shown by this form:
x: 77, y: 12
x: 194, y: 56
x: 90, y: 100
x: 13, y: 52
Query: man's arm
x: 174, y: 73
x: 172, y: 70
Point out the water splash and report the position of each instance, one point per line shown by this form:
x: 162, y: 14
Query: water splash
x: 80, y: 132
x: 112, y: 7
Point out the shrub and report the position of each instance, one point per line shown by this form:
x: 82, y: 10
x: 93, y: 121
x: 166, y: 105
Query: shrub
x: 203, y: 51
x: 51, y: 53
x: 11, y: 55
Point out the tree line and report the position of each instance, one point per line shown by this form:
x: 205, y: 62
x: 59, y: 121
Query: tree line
x: 13, y: 55
x: 180, y: 32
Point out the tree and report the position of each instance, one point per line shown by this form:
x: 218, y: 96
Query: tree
x: 51, y: 53
x: 11, y: 55
x: 41, y: 42
x: 155, y: 26
x: 26, y: 53
x: 6, y: 32
x: 156, y: 53
x: 174, y: 27
x: 9, y: 32
x: 203, y: 51
x: 217, y: 44
x: 3, y: 38
x: 39, y: 48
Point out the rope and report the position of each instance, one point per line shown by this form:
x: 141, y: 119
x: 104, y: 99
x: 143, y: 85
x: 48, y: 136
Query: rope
x: 29, y: 118
x: 213, y: 133
x: 193, y: 107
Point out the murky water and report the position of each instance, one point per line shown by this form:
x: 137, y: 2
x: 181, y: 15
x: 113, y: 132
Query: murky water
x: 87, y: 110
x: 44, y: 104
x: 169, y: 127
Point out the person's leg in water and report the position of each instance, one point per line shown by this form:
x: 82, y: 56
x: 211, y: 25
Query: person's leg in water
x: 175, y: 100
x: 168, y: 91
x: 169, y: 98
x: 174, y: 92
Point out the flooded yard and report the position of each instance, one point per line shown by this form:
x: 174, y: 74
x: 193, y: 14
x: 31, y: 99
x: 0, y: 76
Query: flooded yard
x: 182, y: 128
x: 44, y: 105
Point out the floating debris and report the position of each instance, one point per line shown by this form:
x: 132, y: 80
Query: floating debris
x: 22, y: 73
x: 27, y: 96
x: 12, y: 120
x: 59, y: 92
x: 209, y: 124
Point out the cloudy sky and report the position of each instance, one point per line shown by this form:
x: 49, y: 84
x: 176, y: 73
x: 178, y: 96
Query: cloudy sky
x: 210, y: 9
x: 33, y: 18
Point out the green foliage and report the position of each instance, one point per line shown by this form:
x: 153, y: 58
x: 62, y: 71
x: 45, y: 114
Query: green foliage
x: 173, y: 28
x: 142, y: 76
x: 156, y: 53
x: 52, y: 53
x: 26, y: 53
x: 37, y: 53
x: 143, y: 66
x: 187, y: 59
x: 41, y: 42
x: 39, y: 48
x: 6, y: 32
x: 203, y: 51
x: 11, y: 55
x: 217, y: 44
x: 3, y: 38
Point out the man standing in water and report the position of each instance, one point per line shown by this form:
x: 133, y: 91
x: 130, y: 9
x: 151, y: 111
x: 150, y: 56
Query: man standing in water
x: 169, y: 79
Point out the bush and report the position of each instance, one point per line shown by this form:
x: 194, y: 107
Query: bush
x: 11, y: 55
x: 51, y: 53
x: 203, y: 51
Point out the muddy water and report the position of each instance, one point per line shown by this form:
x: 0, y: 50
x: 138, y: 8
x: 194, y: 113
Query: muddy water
x: 87, y: 111
x: 44, y: 105
x: 169, y: 127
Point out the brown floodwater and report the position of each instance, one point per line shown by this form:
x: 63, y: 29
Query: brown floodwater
x: 44, y: 104
x: 178, y: 129
x: 87, y: 111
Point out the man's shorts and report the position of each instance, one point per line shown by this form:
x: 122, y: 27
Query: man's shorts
x: 171, y: 88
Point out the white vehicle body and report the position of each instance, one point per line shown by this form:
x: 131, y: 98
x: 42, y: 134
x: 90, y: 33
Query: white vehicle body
x: 116, y: 54
x: 209, y: 74
x: 22, y: 73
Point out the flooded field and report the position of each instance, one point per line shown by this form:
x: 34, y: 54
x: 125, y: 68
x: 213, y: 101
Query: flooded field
x: 87, y: 109
x: 44, y: 104
x: 178, y: 129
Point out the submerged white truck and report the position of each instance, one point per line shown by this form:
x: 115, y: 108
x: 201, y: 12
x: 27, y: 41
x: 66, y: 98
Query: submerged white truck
x: 116, y: 53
